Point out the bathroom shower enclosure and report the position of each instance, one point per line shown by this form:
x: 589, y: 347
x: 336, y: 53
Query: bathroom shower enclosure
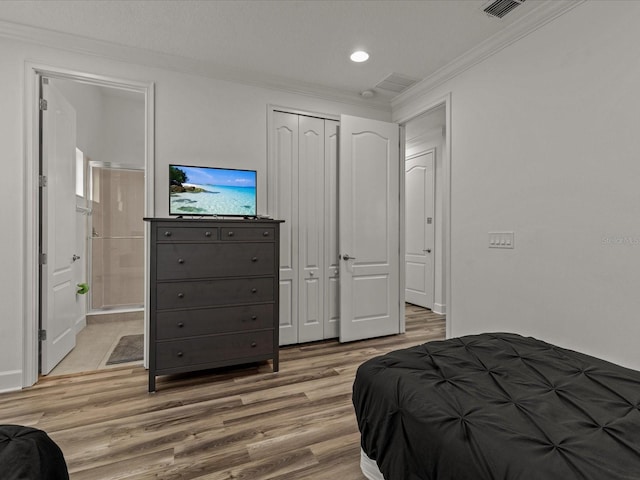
x: 116, y: 237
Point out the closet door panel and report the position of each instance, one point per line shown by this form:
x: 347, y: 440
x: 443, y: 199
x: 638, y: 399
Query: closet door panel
x: 311, y: 194
x: 284, y: 175
x: 331, y: 265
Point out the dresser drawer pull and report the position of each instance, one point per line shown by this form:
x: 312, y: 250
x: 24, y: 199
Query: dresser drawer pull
x: 207, y: 234
x: 230, y: 234
x: 254, y: 344
x: 167, y: 234
x: 181, y: 295
x: 254, y: 317
x: 254, y: 259
x: 180, y: 324
x: 181, y: 260
x: 179, y: 354
x: 254, y: 290
x: 265, y: 234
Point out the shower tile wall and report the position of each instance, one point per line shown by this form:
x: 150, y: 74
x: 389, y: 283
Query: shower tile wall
x: 117, y: 238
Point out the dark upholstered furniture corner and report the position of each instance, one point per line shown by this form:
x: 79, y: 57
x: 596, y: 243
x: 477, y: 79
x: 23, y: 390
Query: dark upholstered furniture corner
x: 29, y: 453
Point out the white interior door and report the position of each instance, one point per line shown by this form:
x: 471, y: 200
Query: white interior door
x: 369, y: 222
x: 58, y: 228
x: 419, y: 226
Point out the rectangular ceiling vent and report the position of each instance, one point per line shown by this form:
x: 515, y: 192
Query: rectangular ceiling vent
x: 500, y: 8
x: 396, y: 83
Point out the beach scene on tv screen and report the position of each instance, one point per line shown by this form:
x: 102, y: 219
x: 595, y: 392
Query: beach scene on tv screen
x: 211, y: 191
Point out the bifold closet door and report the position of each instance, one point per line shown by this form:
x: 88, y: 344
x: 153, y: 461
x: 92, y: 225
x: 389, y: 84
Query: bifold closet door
x: 311, y: 199
x: 283, y: 179
x: 331, y: 259
x: 304, y: 162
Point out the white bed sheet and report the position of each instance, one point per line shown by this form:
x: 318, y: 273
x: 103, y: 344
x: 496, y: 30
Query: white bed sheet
x: 369, y: 467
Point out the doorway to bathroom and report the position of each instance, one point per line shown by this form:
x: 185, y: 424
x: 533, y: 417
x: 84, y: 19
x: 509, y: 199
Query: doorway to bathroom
x: 106, y: 126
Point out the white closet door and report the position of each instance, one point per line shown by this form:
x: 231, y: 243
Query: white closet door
x: 311, y: 194
x: 369, y: 210
x: 332, y: 263
x: 283, y: 177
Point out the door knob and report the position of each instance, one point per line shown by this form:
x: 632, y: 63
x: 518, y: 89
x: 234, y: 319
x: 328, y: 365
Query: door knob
x: 75, y: 257
x: 346, y: 256
x: 428, y: 250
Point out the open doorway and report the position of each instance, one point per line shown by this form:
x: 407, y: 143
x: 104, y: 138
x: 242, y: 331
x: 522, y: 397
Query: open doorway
x: 109, y: 236
x: 425, y: 157
x: 101, y: 119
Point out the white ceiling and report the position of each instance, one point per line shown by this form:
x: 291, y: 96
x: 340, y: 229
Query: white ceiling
x: 292, y: 43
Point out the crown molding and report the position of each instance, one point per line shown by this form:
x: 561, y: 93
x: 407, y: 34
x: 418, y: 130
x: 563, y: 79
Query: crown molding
x: 149, y: 58
x: 542, y: 14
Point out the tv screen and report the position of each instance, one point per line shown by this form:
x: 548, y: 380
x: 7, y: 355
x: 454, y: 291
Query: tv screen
x: 212, y: 191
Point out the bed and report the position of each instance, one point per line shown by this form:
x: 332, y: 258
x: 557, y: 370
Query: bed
x: 497, y: 406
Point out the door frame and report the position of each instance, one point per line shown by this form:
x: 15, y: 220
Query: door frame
x: 32, y: 74
x: 405, y: 116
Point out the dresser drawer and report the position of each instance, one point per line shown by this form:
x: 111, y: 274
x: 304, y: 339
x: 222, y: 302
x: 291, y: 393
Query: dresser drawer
x: 247, y: 233
x: 212, y: 349
x: 207, y: 321
x: 177, y: 234
x: 188, y: 260
x: 209, y: 293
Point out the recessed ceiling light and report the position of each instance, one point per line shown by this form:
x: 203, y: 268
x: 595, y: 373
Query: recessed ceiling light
x: 359, y: 56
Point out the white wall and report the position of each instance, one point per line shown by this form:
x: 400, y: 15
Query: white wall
x: 198, y: 120
x: 546, y: 142
x: 123, y: 128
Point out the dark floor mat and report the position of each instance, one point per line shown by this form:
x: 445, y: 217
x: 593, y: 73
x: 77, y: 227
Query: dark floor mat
x: 129, y: 349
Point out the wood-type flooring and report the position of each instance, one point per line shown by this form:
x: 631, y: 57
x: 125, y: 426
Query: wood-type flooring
x: 234, y: 423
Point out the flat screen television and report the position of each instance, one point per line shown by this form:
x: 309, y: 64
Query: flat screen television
x: 209, y: 191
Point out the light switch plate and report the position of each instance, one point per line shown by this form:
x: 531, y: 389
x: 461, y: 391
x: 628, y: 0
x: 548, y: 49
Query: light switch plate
x: 501, y: 240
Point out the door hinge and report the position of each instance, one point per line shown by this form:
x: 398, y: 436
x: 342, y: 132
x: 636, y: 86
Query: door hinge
x: 43, y: 104
x: 42, y: 335
x: 42, y: 180
x: 43, y: 259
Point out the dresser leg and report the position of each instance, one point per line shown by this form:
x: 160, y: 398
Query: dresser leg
x: 276, y: 363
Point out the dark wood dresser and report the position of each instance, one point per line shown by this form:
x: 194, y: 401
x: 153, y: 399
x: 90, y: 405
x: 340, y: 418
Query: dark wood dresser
x: 213, y: 294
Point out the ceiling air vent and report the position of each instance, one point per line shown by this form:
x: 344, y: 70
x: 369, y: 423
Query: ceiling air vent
x: 500, y: 8
x: 396, y: 83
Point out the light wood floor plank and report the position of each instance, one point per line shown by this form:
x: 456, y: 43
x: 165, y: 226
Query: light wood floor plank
x: 235, y: 423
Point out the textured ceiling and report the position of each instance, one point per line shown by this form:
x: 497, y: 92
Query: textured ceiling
x: 305, y: 42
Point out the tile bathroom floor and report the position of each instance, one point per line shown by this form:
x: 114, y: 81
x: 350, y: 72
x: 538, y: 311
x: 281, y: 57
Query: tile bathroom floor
x: 96, y: 341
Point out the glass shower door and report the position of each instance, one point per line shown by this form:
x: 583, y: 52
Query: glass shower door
x: 117, y: 237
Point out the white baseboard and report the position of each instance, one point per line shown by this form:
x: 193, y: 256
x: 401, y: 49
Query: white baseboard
x: 80, y: 323
x: 10, y: 381
x: 439, y: 308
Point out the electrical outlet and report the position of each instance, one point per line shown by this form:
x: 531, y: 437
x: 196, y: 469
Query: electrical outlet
x: 501, y: 240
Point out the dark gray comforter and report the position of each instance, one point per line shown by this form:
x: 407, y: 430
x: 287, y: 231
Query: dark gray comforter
x: 498, y: 406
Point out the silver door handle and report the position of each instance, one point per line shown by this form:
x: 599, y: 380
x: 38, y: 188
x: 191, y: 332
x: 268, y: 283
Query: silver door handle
x: 428, y: 250
x: 347, y: 257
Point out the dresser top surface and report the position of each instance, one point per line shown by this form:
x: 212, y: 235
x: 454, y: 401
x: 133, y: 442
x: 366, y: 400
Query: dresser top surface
x: 209, y: 220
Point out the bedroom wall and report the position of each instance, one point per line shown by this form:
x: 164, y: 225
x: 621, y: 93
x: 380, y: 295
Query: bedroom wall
x: 546, y: 143
x: 198, y: 119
